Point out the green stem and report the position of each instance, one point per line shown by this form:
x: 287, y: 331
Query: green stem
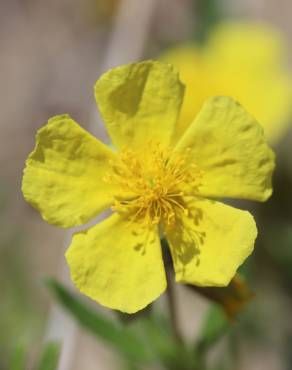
x: 172, y: 306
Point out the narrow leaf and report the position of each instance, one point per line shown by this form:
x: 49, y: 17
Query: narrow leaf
x: 50, y: 356
x: 120, y: 338
x: 214, y: 327
x: 18, y: 358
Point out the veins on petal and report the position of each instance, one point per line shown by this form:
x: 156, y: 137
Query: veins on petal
x: 188, y: 237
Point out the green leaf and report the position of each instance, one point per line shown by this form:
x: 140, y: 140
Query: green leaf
x: 18, y: 358
x: 122, y: 339
x: 214, y: 328
x: 208, y: 13
x: 130, y: 366
x: 50, y: 356
x: 156, y: 332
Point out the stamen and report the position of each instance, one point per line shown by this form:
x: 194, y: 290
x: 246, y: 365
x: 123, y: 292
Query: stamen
x: 153, y: 182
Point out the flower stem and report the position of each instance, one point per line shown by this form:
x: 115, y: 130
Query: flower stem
x: 173, y: 314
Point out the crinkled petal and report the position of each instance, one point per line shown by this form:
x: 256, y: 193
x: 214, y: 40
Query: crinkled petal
x: 118, y: 264
x: 229, y: 146
x: 63, y: 177
x: 140, y: 102
x: 210, y: 243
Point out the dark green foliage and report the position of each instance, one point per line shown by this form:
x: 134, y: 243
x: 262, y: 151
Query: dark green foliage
x: 50, y: 356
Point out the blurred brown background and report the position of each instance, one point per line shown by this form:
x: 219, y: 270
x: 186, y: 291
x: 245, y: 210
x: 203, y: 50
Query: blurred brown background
x: 51, y: 54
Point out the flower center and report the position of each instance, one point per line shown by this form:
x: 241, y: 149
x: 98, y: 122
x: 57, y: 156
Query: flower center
x: 153, y: 183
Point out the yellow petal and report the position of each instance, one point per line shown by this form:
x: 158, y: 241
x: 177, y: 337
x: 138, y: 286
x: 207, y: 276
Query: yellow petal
x: 198, y: 80
x: 63, y: 177
x: 244, y: 42
x: 210, y: 243
x: 250, y: 61
x: 228, y: 145
x: 140, y: 102
x: 118, y: 264
x: 245, y: 60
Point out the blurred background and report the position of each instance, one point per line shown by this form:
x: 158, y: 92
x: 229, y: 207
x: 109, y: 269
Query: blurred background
x: 52, y: 52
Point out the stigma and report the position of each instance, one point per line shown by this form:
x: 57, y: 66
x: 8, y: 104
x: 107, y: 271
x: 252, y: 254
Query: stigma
x: 153, y: 183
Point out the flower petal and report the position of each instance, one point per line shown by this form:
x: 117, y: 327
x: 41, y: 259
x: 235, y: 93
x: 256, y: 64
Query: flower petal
x: 117, y: 264
x: 140, y: 102
x: 198, y: 80
x: 249, y: 58
x: 63, y: 175
x: 228, y: 145
x: 242, y: 59
x: 210, y: 243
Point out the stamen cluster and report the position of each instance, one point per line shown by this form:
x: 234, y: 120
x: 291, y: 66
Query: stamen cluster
x: 153, y: 183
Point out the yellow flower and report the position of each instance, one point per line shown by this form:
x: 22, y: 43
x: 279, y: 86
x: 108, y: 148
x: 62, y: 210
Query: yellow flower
x: 240, y: 59
x: 157, y: 184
